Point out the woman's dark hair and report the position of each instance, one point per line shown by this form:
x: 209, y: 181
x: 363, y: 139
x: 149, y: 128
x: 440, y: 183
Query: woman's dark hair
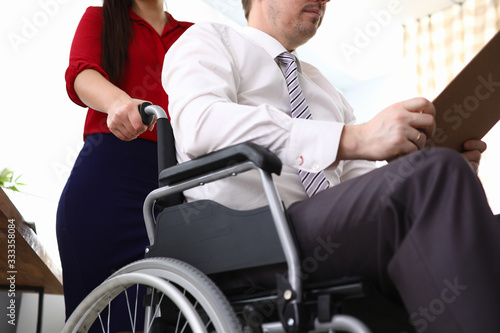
x: 116, y: 36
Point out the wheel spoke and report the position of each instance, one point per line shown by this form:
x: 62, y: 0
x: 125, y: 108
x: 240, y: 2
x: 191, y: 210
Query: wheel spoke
x: 102, y: 324
x: 192, y: 302
x: 109, y: 312
x: 178, y: 321
x: 136, y: 301
x: 184, y: 327
x: 132, y: 321
x: 151, y: 306
x: 156, y: 311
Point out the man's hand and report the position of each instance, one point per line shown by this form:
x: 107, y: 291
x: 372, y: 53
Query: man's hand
x: 473, y: 150
x: 398, y: 130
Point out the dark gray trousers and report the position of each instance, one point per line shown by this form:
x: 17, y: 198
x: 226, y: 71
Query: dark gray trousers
x: 420, y: 227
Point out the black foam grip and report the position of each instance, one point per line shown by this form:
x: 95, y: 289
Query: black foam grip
x: 146, y: 119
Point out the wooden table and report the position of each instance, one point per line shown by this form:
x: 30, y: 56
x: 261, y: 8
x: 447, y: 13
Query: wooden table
x: 24, y: 263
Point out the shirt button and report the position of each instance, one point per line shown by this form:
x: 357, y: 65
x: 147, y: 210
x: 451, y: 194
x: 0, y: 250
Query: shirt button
x: 300, y: 160
x: 315, y: 167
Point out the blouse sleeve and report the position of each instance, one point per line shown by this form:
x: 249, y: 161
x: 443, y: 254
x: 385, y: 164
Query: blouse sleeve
x: 85, y: 50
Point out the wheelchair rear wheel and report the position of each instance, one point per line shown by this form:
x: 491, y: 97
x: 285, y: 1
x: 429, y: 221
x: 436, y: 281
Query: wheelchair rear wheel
x: 179, y: 299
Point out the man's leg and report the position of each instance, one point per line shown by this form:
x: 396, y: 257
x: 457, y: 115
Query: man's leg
x: 420, y: 225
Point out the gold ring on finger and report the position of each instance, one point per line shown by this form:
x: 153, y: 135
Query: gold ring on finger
x: 418, y: 137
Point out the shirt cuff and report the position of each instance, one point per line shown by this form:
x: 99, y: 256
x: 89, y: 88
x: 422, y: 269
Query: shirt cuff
x: 313, y: 144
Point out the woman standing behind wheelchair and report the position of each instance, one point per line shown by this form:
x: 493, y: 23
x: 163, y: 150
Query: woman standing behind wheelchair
x: 115, y: 64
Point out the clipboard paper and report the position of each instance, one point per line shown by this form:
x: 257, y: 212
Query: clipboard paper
x: 470, y: 105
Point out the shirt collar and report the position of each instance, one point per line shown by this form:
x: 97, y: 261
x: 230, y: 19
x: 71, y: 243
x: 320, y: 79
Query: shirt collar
x: 271, y: 45
x: 171, y: 23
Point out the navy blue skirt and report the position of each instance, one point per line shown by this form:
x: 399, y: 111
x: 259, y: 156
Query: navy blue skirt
x: 100, y: 226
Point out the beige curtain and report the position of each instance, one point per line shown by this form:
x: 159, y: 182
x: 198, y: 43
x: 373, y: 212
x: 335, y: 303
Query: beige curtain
x: 438, y: 46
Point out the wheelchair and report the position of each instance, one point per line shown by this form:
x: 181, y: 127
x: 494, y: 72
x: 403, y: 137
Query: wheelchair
x: 194, y: 246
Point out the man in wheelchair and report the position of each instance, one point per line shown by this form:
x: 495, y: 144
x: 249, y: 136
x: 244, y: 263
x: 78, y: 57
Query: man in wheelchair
x: 419, y: 229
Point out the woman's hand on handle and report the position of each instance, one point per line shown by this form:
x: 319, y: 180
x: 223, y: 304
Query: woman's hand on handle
x: 99, y: 94
x: 124, y: 119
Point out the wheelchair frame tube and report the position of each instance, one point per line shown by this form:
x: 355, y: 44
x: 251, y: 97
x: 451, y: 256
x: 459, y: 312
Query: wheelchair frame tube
x: 164, y: 131
x: 275, y: 205
x: 284, y: 233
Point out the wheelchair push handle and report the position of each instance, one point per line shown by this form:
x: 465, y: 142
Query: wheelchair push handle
x: 147, y: 118
x: 165, y: 135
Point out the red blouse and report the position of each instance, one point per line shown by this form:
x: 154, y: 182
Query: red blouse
x: 142, y: 78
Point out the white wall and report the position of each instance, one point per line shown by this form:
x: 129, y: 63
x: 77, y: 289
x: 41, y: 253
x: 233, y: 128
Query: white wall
x: 40, y: 128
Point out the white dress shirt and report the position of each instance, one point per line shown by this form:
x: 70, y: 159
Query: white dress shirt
x: 225, y: 87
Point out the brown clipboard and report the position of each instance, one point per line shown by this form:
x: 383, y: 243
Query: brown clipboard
x: 470, y: 105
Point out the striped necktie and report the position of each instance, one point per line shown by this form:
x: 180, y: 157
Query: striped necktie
x: 313, y: 182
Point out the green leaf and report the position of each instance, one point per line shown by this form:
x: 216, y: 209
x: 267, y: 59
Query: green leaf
x: 7, y: 180
x: 6, y: 176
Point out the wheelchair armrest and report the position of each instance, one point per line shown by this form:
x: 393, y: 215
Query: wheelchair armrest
x: 243, y: 152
